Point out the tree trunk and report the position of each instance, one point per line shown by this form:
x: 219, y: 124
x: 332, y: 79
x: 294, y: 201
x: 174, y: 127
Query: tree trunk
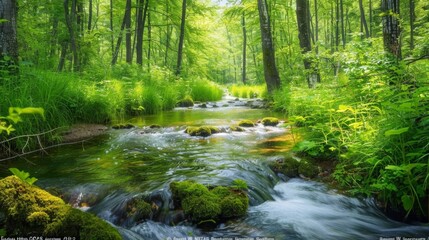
x: 128, y: 41
x: 343, y: 30
x: 8, y: 36
x: 62, y: 56
x: 70, y: 26
x: 337, y: 24
x: 316, y: 30
x: 181, y: 40
x: 149, y: 38
x: 272, y: 78
x: 112, y: 38
x: 302, y: 12
x: 363, y: 19
x: 412, y: 19
x: 168, y: 36
x: 243, y: 22
x: 140, y: 29
x: 391, y: 30
x: 90, y: 16
x: 370, y: 18
x: 119, y: 41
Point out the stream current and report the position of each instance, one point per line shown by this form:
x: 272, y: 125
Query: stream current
x: 102, y: 175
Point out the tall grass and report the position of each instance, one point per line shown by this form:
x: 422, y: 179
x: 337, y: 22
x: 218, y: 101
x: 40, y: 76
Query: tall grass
x: 204, y: 90
x: 244, y: 91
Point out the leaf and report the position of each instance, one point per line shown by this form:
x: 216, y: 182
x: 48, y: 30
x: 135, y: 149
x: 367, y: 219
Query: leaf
x: 407, y: 202
x: 24, y: 176
x: 391, y: 132
x: 344, y: 108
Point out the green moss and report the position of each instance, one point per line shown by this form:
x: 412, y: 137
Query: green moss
x: 187, y: 101
x: 246, y: 123
x: 123, y: 126
x: 214, y: 130
x: 200, y: 131
x: 236, y: 129
x: 308, y: 169
x: 203, y: 205
x: 138, y: 209
x: 270, y: 121
x: 288, y: 166
x: 30, y: 210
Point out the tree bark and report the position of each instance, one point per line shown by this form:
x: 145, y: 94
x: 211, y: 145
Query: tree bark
x: 128, y: 41
x: 391, y: 30
x: 316, y: 30
x: 119, y: 41
x: 112, y: 38
x: 181, y: 40
x: 140, y: 29
x: 363, y: 19
x: 302, y: 12
x: 8, y: 35
x: 70, y: 26
x: 412, y: 19
x: 243, y: 25
x: 343, y: 30
x: 90, y: 16
x: 272, y: 78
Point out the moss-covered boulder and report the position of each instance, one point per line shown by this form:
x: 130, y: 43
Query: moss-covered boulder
x: 308, y: 169
x: 270, y: 121
x: 246, y: 123
x: 155, y: 126
x: 236, y: 129
x: 138, y: 209
x: 202, y: 205
x: 288, y: 166
x: 123, y: 126
x: 203, y: 131
x: 30, y: 210
x: 186, y: 102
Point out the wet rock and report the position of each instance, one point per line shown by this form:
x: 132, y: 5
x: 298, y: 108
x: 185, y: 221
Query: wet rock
x: 225, y: 105
x: 31, y: 210
x: 246, y: 123
x: 203, y: 105
x: 137, y: 209
x: 270, y: 121
x: 199, y: 131
x: 236, y: 129
x: 123, y: 126
x: 308, y: 169
x: 288, y: 166
x: 186, y: 102
x: 155, y: 126
x: 201, y: 205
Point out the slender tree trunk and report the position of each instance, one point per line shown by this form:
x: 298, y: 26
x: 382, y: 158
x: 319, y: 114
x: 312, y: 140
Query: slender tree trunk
x: 302, y: 7
x: 62, y: 56
x: 370, y: 19
x: 112, y: 38
x: 243, y: 24
x: 412, y: 19
x: 70, y: 27
x: 391, y: 30
x: 272, y: 77
x: 119, y: 41
x: 181, y: 40
x: 316, y: 30
x: 343, y: 30
x: 8, y: 35
x: 149, y: 38
x: 90, y: 15
x: 363, y: 19
x: 337, y: 24
x: 128, y: 39
x: 140, y: 29
x: 54, y: 37
x: 169, y: 32
x: 234, y: 62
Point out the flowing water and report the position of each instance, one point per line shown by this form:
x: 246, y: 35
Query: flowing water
x: 102, y: 175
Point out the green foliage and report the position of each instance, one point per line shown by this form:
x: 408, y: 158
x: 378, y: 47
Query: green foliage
x: 24, y: 176
x: 244, y: 91
x: 239, y: 184
x: 15, y: 117
x: 204, y: 91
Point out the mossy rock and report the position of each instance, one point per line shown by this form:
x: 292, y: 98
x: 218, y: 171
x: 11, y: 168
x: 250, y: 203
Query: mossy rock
x: 270, y: 121
x: 236, y: 129
x: 203, y: 131
x: 246, y: 123
x: 288, y: 166
x: 31, y: 210
x: 186, y: 102
x: 123, y: 126
x: 202, y: 205
x: 155, y: 126
x: 308, y: 168
x: 138, y: 209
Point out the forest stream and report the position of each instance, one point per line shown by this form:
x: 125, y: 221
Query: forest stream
x: 100, y: 176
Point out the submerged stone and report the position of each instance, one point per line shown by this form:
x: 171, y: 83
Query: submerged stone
x: 246, y: 123
x: 202, y: 205
x: 123, y: 126
x: 31, y: 210
x: 270, y: 121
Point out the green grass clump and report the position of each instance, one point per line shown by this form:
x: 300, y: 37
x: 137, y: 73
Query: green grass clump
x: 244, y: 91
x: 204, y: 91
